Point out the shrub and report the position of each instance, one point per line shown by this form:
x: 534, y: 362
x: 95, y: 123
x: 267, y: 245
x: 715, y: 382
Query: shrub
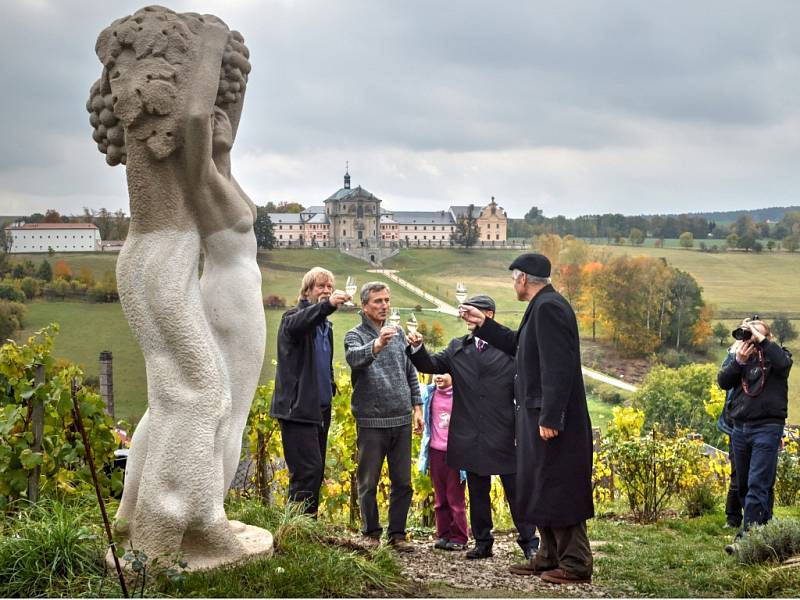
x: 677, y: 399
x: 274, y: 301
x: 59, y: 288
x: 418, y: 308
x: 776, y: 541
x: 787, y: 482
x: 651, y: 468
x: 45, y: 271
x: 700, y: 499
x: 11, y: 293
x: 61, y: 456
x: 30, y: 287
x: 12, y: 315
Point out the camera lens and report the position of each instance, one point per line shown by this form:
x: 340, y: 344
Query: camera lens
x: 741, y: 334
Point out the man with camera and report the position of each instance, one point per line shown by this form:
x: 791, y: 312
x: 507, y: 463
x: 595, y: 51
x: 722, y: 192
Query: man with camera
x: 757, y: 409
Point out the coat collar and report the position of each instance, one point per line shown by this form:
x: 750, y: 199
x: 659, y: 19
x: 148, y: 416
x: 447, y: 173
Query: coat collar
x: 548, y: 289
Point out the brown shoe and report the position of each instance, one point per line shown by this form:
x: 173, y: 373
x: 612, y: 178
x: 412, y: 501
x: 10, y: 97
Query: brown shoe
x: 371, y: 541
x: 400, y: 545
x: 528, y: 568
x: 562, y: 576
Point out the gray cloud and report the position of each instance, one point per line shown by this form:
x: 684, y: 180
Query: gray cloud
x: 574, y: 106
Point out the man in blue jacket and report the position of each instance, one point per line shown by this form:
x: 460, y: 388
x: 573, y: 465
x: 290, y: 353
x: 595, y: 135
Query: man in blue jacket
x: 304, y: 384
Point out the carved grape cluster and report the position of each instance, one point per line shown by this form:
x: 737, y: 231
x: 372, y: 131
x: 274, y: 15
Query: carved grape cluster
x: 234, y: 71
x: 108, y: 131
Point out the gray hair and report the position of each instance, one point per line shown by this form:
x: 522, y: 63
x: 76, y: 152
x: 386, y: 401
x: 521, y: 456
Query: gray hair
x: 531, y: 279
x: 372, y: 286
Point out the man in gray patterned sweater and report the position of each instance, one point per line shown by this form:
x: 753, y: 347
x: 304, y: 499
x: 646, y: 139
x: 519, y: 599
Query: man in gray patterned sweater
x: 385, y: 403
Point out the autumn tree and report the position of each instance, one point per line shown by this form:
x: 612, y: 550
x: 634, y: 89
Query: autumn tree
x: 52, y: 216
x: 686, y: 239
x: 86, y: 276
x: 436, y: 335
x: 549, y: 244
x: 587, y: 305
x: 636, y: 236
x: 569, y: 270
x: 62, y: 270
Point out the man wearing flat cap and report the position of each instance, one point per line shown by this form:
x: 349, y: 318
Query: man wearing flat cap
x: 481, y: 431
x: 554, y: 433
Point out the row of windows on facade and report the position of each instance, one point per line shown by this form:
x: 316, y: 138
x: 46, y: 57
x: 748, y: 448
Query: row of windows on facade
x: 41, y: 237
x: 385, y: 237
x: 407, y: 227
x: 58, y: 248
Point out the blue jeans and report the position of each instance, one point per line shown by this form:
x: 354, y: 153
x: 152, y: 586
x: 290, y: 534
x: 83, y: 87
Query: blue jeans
x: 755, y: 451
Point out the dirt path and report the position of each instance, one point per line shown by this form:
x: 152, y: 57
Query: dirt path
x: 451, y: 575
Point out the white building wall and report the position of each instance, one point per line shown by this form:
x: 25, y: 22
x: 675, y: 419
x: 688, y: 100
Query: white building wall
x: 60, y: 240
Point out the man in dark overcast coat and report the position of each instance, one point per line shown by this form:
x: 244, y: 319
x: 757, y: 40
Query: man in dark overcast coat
x: 554, y: 433
x: 481, y: 433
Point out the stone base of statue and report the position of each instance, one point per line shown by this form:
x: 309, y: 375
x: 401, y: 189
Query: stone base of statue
x: 256, y: 542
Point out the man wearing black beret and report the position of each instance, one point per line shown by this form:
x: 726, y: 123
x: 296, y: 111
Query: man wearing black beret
x: 481, y: 431
x: 554, y: 433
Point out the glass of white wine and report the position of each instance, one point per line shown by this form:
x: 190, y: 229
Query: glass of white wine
x: 411, y: 324
x: 461, y: 292
x: 394, y: 317
x: 350, y: 288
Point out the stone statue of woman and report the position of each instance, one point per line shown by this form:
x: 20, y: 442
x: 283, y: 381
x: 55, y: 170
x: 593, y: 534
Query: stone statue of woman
x: 168, y: 106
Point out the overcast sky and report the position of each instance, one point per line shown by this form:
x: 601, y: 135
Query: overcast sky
x: 575, y: 107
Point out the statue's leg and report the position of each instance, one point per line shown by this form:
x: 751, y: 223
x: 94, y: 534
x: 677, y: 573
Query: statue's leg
x: 179, y: 506
x: 133, y: 473
x: 231, y: 293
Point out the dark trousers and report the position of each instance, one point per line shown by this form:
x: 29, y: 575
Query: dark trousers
x: 304, y: 447
x: 755, y: 450
x: 374, y: 445
x: 450, y: 506
x: 565, y: 548
x: 733, y: 507
x: 480, y: 511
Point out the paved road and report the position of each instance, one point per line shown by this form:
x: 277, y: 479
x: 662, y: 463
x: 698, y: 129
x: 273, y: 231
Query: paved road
x: 448, y: 309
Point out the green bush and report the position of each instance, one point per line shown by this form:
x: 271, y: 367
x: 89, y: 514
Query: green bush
x: 677, y: 398
x: 776, y: 541
x: 787, y: 481
x: 30, y: 287
x: 61, y: 457
x: 12, y: 318
x: 700, y: 499
x: 11, y: 293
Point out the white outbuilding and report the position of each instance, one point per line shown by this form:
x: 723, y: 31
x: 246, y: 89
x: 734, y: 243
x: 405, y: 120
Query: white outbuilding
x: 61, y: 237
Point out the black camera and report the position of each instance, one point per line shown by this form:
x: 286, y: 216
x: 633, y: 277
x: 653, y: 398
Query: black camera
x: 741, y: 333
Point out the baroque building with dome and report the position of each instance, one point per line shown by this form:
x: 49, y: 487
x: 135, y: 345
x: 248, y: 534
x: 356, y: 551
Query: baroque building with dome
x: 354, y: 218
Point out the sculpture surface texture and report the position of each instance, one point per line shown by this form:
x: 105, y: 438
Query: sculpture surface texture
x: 167, y: 106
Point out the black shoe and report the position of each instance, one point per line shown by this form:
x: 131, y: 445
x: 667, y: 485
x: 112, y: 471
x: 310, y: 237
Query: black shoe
x: 453, y: 546
x: 441, y: 544
x: 732, y: 548
x: 480, y: 552
x: 730, y: 525
x: 530, y: 553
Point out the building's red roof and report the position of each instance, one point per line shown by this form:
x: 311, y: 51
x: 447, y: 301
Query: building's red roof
x: 53, y: 226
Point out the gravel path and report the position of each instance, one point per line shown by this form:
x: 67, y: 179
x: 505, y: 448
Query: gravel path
x: 450, y: 574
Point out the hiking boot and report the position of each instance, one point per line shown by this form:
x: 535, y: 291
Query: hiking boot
x: 562, y: 576
x: 479, y: 552
x: 441, y: 544
x: 400, y: 545
x: 371, y: 541
x: 528, y: 568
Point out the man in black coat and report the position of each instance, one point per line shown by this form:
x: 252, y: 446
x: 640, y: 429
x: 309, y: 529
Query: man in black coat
x: 554, y: 433
x: 481, y: 433
x: 304, y: 384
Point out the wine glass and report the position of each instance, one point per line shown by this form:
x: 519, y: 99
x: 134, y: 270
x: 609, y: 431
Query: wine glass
x: 411, y: 324
x: 394, y: 317
x: 350, y: 288
x: 461, y: 292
